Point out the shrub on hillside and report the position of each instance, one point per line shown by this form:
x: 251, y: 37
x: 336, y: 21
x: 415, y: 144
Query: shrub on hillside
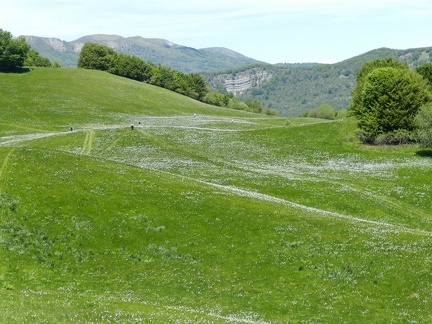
x: 324, y: 111
x: 390, y: 100
x: 341, y: 114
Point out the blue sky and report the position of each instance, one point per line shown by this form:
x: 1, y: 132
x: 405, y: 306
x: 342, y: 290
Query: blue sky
x: 273, y: 31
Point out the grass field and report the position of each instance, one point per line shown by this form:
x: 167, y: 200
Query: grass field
x: 226, y: 217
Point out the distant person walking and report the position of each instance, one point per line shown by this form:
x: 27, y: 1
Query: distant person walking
x: 132, y: 126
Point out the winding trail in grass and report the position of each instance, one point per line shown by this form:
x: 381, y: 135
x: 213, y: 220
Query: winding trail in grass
x: 11, y: 140
x: 3, y: 171
x: 88, y: 142
x: 181, y: 121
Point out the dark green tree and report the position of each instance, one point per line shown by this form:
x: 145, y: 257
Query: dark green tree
x: 131, y: 67
x: 227, y: 98
x: 425, y: 71
x: 163, y: 77
x: 391, y: 98
x: 13, y: 52
x: 357, y: 92
x: 214, y: 98
x: 196, y: 86
x: 96, y: 57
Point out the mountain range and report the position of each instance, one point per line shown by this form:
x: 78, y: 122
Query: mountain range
x: 157, y: 51
x: 291, y: 89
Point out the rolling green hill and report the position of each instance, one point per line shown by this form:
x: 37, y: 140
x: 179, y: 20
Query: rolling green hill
x: 226, y: 217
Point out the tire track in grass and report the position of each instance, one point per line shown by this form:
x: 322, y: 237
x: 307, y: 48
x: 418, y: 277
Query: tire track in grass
x: 370, y: 195
x: 88, y: 142
x: 3, y: 171
x: 25, y: 111
x: 392, y: 203
x: 265, y: 197
x: 165, y: 145
x: 115, y: 141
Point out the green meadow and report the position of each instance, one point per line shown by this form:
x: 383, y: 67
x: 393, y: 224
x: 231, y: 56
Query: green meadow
x: 226, y: 217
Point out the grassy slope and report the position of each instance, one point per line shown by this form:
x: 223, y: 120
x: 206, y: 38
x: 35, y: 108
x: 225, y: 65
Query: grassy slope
x: 225, y: 217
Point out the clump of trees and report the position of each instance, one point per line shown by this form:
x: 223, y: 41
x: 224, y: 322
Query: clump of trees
x: 35, y: 59
x: 16, y: 53
x: 99, y: 57
x: 13, y: 52
x: 386, y: 99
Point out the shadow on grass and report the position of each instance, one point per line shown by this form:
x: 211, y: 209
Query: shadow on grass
x: 425, y: 153
x: 16, y: 70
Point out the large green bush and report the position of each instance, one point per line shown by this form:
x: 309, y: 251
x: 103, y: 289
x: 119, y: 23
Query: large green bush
x: 423, y: 123
x: 324, y: 111
x: 391, y: 98
x: 357, y: 92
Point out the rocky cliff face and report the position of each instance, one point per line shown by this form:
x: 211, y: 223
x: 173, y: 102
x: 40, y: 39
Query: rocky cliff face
x: 46, y: 42
x: 245, y: 80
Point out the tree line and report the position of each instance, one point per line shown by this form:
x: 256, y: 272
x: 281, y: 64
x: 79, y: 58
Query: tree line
x: 100, y: 57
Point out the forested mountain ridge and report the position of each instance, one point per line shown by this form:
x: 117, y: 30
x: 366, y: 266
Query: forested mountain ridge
x: 153, y: 50
x: 292, y: 89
